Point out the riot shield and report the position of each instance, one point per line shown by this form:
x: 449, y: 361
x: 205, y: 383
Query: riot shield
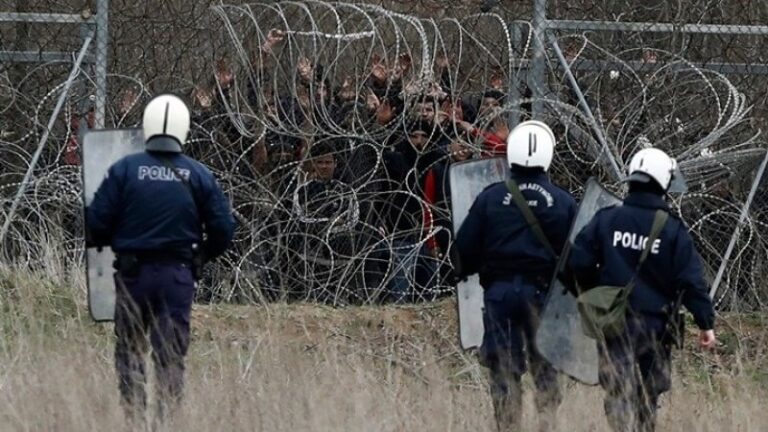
x: 467, y: 180
x: 101, y: 149
x: 560, y: 339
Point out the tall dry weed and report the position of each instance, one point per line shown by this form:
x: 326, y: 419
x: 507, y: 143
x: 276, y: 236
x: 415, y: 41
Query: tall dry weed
x: 304, y: 367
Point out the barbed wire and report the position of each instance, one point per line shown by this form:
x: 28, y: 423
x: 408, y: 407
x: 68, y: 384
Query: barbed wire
x: 332, y: 127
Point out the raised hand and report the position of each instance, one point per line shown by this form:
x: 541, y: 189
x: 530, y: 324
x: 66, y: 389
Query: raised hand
x: 347, y: 91
x: 442, y: 62
x: 500, y: 128
x: 274, y: 37
x: 128, y: 101
x: 372, y: 101
x: 378, y: 69
x: 402, y: 67
x: 435, y: 91
x: 384, y: 113
x: 412, y: 88
x: 203, y: 97
x: 305, y: 69
x: 497, y: 80
x: 224, y: 74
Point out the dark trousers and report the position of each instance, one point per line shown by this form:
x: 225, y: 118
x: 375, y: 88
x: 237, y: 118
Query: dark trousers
x: 155, y: 300
x: 634, y: 371
x: 511, y: 318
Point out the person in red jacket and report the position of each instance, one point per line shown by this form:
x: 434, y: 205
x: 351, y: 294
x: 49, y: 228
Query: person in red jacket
x: 415, y: 249
x: 493, y: 132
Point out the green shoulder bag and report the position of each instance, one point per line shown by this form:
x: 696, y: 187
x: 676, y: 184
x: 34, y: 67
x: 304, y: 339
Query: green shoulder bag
x: 604, y: 308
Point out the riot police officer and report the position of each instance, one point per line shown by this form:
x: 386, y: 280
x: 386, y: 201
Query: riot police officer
x: 161, y: 212
x: 609, y: 252
x: 511, y: 237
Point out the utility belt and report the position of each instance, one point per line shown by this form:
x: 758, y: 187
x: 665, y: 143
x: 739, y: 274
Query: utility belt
x: 538, y: 279
x: 129, y: 263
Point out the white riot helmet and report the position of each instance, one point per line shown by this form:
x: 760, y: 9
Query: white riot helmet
x: 531, y: 144
x: 652, y: 164
x: 166, y: 123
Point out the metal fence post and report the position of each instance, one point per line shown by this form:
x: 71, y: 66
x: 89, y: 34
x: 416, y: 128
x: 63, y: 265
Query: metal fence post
x: 605, y: 152
x: 537, y: 77
x: 513, y: 117
x: 102, y: 46
x: 44, y: 138
x: 737, y: 231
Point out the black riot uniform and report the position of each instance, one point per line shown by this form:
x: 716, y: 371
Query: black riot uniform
x: 512, y: 237
x: 515, y: 268
x: 635, y: 365
x: 160, y: 211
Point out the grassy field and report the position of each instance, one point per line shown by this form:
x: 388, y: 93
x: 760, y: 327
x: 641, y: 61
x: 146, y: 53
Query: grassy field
x: 304, y: 367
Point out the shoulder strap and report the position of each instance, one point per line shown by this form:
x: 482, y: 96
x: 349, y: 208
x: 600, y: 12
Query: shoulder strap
x: 533, y: 222
x: 659, y: 220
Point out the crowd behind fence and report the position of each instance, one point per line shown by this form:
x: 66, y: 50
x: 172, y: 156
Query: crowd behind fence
x: 332, y: 127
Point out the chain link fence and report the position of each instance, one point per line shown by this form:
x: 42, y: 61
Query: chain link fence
x: 690, y: 80
x: 332, y: 125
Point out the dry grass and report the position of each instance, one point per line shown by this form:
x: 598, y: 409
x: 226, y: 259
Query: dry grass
x: 300, y: 367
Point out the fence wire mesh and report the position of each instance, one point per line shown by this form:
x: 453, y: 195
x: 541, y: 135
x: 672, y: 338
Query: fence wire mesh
x: 331, y: 126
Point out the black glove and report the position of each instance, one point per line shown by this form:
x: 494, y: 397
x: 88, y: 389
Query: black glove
x: 91, y: 243
x: 568, y: 280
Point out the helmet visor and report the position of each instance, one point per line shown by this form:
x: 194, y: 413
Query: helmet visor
x: 639, y: 177
x: 678, y: 183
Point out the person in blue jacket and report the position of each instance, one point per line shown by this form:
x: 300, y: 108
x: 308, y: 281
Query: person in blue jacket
x: 515, y: 267
x: 162, y: 213
x: 635, y: 365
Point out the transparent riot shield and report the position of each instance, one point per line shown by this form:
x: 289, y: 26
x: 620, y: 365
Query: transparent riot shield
x: 467, y: 180
x: 560, y: 339
x: 101, y: 149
